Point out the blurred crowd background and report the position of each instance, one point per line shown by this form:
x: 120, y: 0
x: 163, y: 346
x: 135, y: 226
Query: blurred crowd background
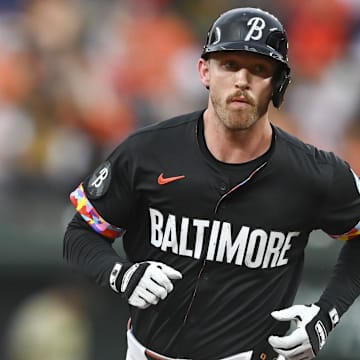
x: 76, y: 77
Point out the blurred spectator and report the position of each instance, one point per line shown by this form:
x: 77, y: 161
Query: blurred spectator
x: 322, y: 99
x: 323, y: 109
x: 150, y: 49
x: 351, y: 149
x: 16, y: 134
x: 17, y: 129
x: 319, y: 32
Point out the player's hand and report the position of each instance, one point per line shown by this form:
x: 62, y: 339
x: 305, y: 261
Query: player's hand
x: 312, y: 328
x: 145, y: 283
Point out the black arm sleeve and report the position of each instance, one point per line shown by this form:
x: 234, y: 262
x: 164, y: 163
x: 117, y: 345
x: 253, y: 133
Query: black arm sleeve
x: 89, y: 252
x: 344, y: 285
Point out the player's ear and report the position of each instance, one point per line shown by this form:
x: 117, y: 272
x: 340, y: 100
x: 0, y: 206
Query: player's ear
x: 203, y: 68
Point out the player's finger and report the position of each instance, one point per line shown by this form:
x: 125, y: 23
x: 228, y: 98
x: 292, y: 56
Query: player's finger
x: 170, y: 272
x: 295, y: 339
x: 147, y: 295
x: 290, y: 313
x: 136, y: 300
x: 156, y: 274
x: 154, y: 288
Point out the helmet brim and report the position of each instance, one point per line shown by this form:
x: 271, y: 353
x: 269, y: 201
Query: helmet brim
x: 244, y: 46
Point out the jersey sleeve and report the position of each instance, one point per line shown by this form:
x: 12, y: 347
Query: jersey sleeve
x: 105, y: 198
x: 340, y: 215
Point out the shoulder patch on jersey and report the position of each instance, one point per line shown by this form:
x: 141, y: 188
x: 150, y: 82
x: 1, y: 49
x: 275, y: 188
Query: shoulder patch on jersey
x: 357, y: 180
x: 99, y: 181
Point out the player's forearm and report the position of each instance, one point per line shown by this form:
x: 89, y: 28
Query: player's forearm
x: 344, y: 285
x: 89, y: 252
x: 94, y: 256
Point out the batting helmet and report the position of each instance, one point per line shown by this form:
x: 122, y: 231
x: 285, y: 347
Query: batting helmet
x: 253, y: 30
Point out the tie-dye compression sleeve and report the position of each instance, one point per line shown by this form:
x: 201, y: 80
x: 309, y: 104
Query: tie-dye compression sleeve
x: 84, y: 207
x: 354, y: 232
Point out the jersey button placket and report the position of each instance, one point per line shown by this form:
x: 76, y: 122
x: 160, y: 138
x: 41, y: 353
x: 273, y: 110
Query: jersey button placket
x: 205, y: 276
x: 223, y: 188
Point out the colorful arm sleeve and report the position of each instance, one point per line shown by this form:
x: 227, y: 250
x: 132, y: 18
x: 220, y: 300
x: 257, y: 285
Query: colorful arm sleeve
x: 84, y: 207
x: 353, y: 233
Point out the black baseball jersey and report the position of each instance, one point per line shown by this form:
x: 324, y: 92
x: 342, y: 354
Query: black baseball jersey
x: 236, y: 232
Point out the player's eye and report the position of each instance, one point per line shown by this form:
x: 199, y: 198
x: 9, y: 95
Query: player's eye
x: 262, y: 70
x: 230, y: 65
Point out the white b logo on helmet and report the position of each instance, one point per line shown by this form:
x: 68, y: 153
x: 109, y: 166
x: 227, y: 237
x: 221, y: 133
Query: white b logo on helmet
x: 256, y: 25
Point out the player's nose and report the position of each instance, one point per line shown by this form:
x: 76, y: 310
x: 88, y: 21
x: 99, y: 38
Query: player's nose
x: 242, y: 78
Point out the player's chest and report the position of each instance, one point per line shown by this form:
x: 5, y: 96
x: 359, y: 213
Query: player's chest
x: 257, y: 197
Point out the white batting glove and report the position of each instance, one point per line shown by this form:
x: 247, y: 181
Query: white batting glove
x: 312, y: 328
x: 145, y: 283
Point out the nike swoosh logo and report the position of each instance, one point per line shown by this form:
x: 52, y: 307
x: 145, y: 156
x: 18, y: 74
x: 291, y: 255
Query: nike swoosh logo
x: 163, y: 180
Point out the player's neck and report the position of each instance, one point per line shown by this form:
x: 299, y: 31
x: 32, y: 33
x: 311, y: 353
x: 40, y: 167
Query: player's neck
x: 240, y: 146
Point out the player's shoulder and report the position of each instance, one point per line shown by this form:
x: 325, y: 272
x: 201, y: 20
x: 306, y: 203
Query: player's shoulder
x: 297, y: 149
x: 175, y: 125
x: 157, y: 138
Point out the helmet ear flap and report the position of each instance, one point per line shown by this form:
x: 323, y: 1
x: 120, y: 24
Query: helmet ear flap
x: 281, y: 81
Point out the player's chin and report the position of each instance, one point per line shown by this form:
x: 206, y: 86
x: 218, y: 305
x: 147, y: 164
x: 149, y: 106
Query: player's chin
x: 241, y: 121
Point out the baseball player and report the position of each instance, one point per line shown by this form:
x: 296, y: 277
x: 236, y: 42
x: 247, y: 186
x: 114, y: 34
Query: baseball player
x: 215, y: 209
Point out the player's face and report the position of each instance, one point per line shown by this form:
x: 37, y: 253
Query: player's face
x: 240, y: 87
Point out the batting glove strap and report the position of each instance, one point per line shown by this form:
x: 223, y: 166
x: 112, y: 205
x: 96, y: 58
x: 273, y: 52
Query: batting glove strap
x: 131, y: 278
x: 117, y: 274
x: 319, y: 327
